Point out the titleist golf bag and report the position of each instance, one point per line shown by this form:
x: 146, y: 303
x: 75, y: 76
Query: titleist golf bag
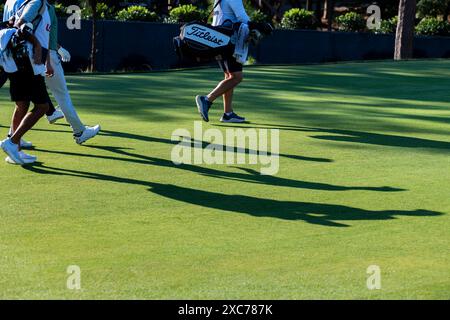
x: 202, y: 42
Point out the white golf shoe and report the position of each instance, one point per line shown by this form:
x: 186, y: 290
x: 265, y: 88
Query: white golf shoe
x: 57, y: 115
x: 25, y: 144
x: 12, y: 150
x: 26, y: 158
x: 88, y: 133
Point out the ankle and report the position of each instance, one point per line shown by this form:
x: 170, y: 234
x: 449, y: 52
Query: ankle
x: 15, y: 140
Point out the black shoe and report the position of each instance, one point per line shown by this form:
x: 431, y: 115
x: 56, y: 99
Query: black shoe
x: 233, y: 117
x: 203, y: 106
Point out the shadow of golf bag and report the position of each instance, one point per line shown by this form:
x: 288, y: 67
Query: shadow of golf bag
x: 203, y: 43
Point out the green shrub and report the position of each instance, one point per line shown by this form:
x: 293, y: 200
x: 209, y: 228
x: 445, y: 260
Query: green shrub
x: 186, y: 13
x: 137, y: 13
x: 297, y: 18
x: 250, y: 61
x: 431, y: 8
x: 259, y: 16
x: 351, y: 22
x: 388, y: 26
x: 103, y: 12
x: 433, y: 27
x: 61, y: 10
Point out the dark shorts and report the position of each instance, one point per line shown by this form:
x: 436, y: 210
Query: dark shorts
x: 3, y: 77
x: 230, y: 65
x: 25, y: 86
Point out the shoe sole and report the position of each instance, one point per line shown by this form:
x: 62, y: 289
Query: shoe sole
x: 17, y: 161
x: 11, y: 161
x: 232, y: 121
x: 199, y: 108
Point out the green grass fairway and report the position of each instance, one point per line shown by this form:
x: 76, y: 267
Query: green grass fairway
x: 364, y: 180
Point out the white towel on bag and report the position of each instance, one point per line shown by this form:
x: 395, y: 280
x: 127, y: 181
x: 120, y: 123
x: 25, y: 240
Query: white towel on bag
x: 6, y: 60
x: 241, y: 46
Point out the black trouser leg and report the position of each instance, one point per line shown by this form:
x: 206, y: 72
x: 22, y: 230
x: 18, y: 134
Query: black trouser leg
x: 51, y: 108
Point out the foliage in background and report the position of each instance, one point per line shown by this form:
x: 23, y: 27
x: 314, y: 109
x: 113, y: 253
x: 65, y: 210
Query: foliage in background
x: 251, y: 61
x: 137, y: 13
x: 259, y: 16
x: 104, y: 12
x: 297, y: 18
x: 388, y: 26
x: 202, y: 4
x: 256, y: 14
x: 61, y: 10
x: 433, y: 27
x: 351, y: 22
x: 432, y: 8
x: 186, y: 13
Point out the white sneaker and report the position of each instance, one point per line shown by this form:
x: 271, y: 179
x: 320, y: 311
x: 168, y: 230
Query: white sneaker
x: 12, y: 150
x: 25, y: 144
x: 58, y: 114
x: 88, y: 133
x: 26, y: 158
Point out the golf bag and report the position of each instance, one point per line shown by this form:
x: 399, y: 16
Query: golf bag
x: 202, y: 42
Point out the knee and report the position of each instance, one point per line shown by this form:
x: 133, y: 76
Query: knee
x: 41, y: 108
x: 22, y: 105
x: 237, y: 78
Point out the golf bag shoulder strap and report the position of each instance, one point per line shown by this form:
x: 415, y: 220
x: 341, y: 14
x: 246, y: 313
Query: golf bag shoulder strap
x: 36, y: 21
x: 212, y: 10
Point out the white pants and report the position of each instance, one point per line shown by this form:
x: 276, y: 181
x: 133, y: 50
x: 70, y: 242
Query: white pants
x: 58, y: 87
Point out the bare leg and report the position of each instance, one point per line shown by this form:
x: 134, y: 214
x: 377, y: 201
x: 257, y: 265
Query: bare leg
x: 29, y: 121
x: 228, y: 101
x: 228, y: 84
x: 19, y: 113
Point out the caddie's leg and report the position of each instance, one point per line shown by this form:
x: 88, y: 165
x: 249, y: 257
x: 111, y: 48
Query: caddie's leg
x: 228, y: 84
x: 20, y: 112
x: 30, y: 119
x: 228, y: 101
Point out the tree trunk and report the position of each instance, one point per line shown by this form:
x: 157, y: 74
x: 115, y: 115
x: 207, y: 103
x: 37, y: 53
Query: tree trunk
x: 92, y: 66
x: 330, y: 14
x: 404, y: 37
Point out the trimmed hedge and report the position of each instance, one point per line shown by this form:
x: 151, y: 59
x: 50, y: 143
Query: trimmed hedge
x: 433, y: 27
x: 389, y: 26
x: 137, y: 13
x: 259, y: 17
x: 431, y: 8
x: 186, y: 13
x: 351, y: 22
x: 297, y: 18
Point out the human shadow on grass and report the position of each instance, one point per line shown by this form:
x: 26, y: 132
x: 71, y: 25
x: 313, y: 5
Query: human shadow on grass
x: 251, y: 176
x: 194, y: 143
x: 362, y: 137
x: 203, y: 144
x: 315, y: 213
